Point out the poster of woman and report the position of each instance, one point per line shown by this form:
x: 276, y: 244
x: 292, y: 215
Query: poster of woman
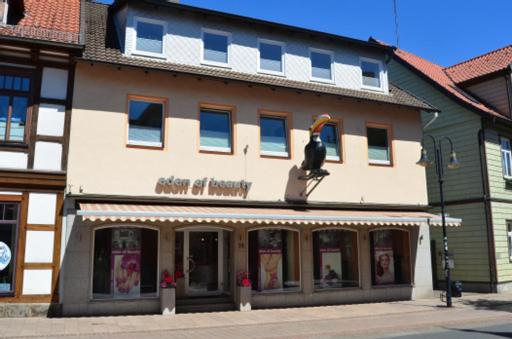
x: 271, y: 260
x: 126, y: 263
x: 384, y: 272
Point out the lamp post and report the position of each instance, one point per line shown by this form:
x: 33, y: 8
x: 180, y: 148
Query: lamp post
x: 453, y: 164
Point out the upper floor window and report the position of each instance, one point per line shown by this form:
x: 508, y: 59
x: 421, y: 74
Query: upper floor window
x: 506, y: 157
x: 330, y: 138
x: 321, y: 65
x: 149, y: 37
x: 146, y: 121
x: 379, y: 149
x: 271, y: 57
x: 274, y: 135
x: 216, y: 47
x: 215, y: 130
x: 371, y: 70
x: 14, y: 103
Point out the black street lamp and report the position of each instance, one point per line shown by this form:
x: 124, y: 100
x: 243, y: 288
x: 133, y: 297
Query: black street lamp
x: 453, y: 164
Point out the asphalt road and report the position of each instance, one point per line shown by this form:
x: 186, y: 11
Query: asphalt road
x: 470, y: 332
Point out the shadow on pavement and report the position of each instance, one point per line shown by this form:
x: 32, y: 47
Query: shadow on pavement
x: 482, y: 332
x: 488, y: 304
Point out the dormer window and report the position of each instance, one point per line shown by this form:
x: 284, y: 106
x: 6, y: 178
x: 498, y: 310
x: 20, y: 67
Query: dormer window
x: 321, y: 65
x: 216, y: 48
x: 271, y: 57
x: 149, y: 40
x: 371, y: 74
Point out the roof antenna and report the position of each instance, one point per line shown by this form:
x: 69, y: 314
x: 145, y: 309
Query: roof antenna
x: 397, y: 28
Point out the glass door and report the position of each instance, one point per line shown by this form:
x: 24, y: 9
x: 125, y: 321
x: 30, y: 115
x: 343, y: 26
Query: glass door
x: 203, y: 258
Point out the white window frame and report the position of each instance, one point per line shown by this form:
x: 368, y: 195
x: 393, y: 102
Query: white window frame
x: 215, y: 63
x: 509, y: 238
x: 331, y: 55
x: 283, y: 54
x: 381, y: 73
x: 503, y: 154
x: 136, y: 21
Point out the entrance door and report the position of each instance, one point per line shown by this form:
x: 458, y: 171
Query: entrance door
x: 203, y: 262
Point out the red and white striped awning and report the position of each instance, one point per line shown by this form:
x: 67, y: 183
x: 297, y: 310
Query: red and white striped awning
x: 266, y: 216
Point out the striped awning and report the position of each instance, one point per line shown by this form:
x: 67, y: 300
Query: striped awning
x: 254, y: 216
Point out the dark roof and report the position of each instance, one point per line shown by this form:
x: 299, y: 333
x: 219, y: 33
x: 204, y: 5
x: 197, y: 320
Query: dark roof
x: 101, y: 45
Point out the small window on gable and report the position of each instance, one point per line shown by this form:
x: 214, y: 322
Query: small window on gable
x: 506, y: 158
x: 379, y: 149
x: 321, y: 66
x: 371, y: 74
x: 149, y: 37
x: 146, y: 122
x: 216, y: 48
x: 271, y: 57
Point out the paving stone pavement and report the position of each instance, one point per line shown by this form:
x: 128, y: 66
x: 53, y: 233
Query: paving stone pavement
x: 369, y: 320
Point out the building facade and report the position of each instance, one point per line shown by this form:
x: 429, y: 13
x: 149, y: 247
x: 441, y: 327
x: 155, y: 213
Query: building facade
x: 187, y: 138
x: 474, y: 98
x: 38, y: 41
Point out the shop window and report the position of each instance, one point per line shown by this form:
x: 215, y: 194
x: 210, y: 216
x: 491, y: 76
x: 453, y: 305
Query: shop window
x: 216, y: 47
x: 14, y: 104
x: 150, y: 37
x: 146, y: 122
x: 506, y: 158
x: 215, y: 131
x: 274, y: 136
x: 391, y: 257
x: 274, y: 260
x: 125, y: 263
x: 509, y: 238
x: 330, y: 138
x: 371, y: 70
x: 379, y: 150
x: 321, y: 65
x: 335, y: 257
x: 271, y: 57
x: 8, y: 240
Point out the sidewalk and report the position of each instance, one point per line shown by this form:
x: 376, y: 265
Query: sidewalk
x: 328, y: 321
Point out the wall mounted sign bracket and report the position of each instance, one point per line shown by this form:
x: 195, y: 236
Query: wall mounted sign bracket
x: 315, y: 177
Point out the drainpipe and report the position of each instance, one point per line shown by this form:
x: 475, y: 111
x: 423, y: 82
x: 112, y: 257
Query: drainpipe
x: 487, y: 209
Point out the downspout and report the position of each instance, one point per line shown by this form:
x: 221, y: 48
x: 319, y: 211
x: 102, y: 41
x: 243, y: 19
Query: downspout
x: 487, y: 209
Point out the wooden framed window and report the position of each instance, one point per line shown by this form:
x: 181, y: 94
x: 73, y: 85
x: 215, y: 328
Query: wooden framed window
x: 146, y: 121
x: 15, y: 104
x: 275, y: 134
x: 332, y: 135
x: 391, y: 257
x: 506, y: 157
x: 216, y: 129
x: 9, y: 230
x: 379, y: 142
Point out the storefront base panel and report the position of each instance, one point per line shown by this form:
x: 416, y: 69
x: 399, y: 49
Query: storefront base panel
x: 18, y: 310
x: 103, y: 308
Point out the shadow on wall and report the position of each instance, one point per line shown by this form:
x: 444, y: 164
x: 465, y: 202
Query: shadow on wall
x: 296, y: 188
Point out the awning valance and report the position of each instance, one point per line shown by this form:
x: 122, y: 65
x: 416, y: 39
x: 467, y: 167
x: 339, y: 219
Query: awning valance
x: 246, y: 215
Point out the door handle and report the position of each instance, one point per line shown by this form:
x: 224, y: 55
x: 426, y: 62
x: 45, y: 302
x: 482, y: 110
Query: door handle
x: 191, y: 265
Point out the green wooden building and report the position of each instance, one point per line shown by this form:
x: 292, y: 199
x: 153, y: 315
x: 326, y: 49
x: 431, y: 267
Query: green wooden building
x: 474, y: 99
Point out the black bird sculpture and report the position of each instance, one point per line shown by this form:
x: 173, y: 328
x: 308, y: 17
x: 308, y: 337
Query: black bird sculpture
x: 315, y: 152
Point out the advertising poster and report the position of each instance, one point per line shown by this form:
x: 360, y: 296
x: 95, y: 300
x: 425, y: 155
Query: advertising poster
x: 383, y: 257
x: 126, y: 263
x: 271, y: 260
x: 330, y: 259
x: 5, y: 259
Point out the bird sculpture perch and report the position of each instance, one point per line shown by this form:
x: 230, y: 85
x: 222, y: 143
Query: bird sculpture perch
x: 315, y: 152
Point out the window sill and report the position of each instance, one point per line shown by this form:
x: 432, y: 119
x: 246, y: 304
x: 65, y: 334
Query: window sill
x: 214, y: 150
x: 127, y: 300
x: 277, y: 74
x: 381, y: 164
x: 161, y: 57
x: 7, y: 144
x: 379, y: 90
x: 378, y: 287
x: 215, y: 64
x: 155, y: 146
x: 323, y: 81
x: 336, y: 289
x: 291, y: 291
x: 276, y: 155
x: 336, y: 160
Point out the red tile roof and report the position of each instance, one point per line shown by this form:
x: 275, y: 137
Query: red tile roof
x: 53, y: 20
x: 437, y: 74
x: 488, y: 63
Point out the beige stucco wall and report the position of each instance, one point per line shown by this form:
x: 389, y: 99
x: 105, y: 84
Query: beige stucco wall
x: 100, y: 163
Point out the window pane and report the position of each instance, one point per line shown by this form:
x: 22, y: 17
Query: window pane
x: 146, y: 121
x: 274, y: 260
x: 125, y: 263
x: 150, y: 37
x: 4, y: 111
x: 271, y: 57
x: 391, y: 262
x: 371, y: 74
x: 378, y: 147
x: 335, y: 259
x: 215, y: 47
x: 8, y: 228
x: 17, y: 83
x: 215, y: 129
x: 329, y: 138
x: 25, y: 86
x: 273, y: 135
x: 8, y: 82
x: 321, y: 65
x: 18, y: 119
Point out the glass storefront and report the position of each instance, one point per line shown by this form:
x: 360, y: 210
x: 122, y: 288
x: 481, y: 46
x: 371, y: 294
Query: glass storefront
x: 335, y: 257
x: 391, y: 257
x: 8, y: 241
x: 274, y: 260
x: 125, y: 263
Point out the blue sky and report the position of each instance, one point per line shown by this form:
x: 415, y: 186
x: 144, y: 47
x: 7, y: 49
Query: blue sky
x: 443, y: 31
